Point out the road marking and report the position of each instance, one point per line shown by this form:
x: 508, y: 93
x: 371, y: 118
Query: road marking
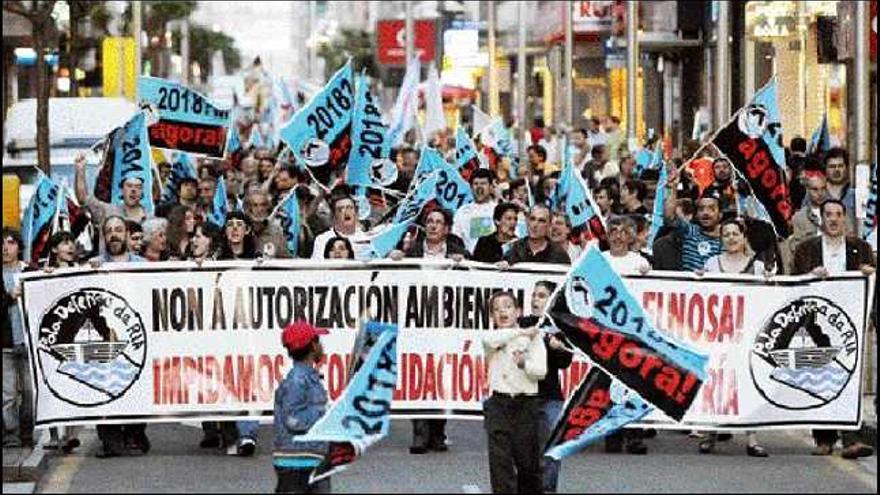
x: 470, y: 489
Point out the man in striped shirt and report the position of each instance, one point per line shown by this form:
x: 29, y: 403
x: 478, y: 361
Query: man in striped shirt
x: 700, y: 240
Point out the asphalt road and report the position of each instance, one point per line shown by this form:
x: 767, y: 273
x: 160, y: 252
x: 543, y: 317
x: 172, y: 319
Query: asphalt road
x: 176, y: 464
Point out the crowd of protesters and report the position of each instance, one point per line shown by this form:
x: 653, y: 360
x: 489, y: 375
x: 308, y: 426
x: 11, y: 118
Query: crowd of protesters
x: 704, y: 230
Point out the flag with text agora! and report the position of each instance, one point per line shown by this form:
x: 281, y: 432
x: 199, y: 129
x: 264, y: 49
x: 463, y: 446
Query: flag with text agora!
x: 349, y: 426
x: 600, y: 406
x: 596, y: 313
x: 751, y: 141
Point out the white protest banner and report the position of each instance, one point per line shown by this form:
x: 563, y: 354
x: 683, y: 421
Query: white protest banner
x: 162, y: 342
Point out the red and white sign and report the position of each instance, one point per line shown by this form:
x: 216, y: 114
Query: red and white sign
x: 597, y: 16
x: 391, y: 36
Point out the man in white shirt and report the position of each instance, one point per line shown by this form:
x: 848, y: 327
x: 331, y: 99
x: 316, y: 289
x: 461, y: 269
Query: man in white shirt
x: 345, y: 224
x: 475, y: 220
x: 517, y: 361
x: 621, y: 236
x: 829, y: 253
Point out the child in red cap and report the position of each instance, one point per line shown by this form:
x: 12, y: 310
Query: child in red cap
x: 300, y: 401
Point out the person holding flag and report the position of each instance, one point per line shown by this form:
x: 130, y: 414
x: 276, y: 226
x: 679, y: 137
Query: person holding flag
x: 701, y: 241
x: 132, y: 195
x: 517, y: 361
x: 300, y: 401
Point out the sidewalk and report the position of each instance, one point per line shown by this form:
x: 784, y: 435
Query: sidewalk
x: 23, y: 467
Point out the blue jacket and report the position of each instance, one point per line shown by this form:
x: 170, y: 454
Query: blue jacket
x: 300, y: 401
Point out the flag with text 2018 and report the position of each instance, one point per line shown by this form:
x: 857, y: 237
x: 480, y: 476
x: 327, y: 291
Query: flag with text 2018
x: 453, y: 191
x: 596, y: 313
x: 370, y: 141
x: 750, y: 142
x: 318, y: 134
x: 600, y: 406
x: 132, y: 160
x: 361, y: 416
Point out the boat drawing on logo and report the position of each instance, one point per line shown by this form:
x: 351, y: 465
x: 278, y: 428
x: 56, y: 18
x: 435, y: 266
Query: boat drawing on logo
x: 97, y: 363
x: 89, y: 347
x: 809, y: 367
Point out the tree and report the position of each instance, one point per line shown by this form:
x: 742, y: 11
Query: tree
x: 352, y: 43
x: 45, y: 35
x: 204, y: 42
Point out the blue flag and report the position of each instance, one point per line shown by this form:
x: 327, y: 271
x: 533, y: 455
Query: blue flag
x: 370, y: 141
x: 600, y: 406
x: 657, y: 213
x: 595, y: 312
x: 220, y: 206
x: 181, y: 168
x: 132, y: 160
x: 453, y: 191
x: 233, y: 142
x: 256, y: 138
x: 498, y: 138
x: 179, y: 103
x: 870, y: 223
x: 572, y: 190
x: 288, y: 212
x: 820, y: 141
x: 383, y: 242
x: 314, y: 128
x: 766, y: 97
x: 464, y: 148
x: 36, y: 222
x: 648, y: 160
x: 362, y: 415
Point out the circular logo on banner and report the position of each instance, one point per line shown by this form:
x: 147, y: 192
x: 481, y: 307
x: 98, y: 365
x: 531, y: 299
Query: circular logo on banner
x: 579, y: 298
x: 753, y: 121
x: 92, y: 347
x: 384, y: 171
x: 316, y: 153
x: 805, y: 355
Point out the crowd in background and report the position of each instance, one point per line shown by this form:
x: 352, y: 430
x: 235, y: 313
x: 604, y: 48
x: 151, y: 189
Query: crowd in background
x: 706, y: 229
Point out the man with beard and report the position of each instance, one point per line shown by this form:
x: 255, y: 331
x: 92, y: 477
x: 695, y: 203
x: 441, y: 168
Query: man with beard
x: 345, y: 224
x: 724, y: 183
x: 205, y: 201
x: 132, y: 194
x: 701, y: 241
x: 475, y: 220
x: 119, y: 439
x: 268, y: 234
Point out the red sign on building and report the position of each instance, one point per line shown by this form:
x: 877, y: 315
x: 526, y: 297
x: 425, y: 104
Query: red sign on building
x: 391, y: 44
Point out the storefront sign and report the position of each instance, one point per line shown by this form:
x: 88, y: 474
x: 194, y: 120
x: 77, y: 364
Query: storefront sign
x: 391, y: 37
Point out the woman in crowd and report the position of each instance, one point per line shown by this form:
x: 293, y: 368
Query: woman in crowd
x: 155, y: 239
x: 181, y: 225
x: 736, y: 257
x: 338, y: 248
